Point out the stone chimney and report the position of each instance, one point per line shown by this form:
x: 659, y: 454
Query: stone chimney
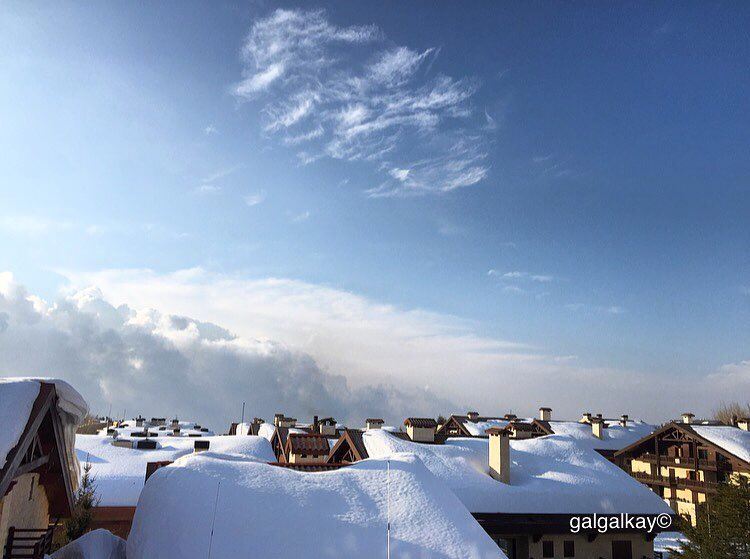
x: 472, y: 415
x: 139, y: 421
x: 624, y: 420
x: 499, y: 459
x: 545, y: 414
x: 597, y: 428
x: 374, y: 423
x: 327, y: 427
x: 585, y: 418
x: 744, y: 423
x: 687, y: 417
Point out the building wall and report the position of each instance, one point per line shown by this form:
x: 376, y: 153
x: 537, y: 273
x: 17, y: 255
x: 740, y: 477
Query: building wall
x: 636, y: 466
x: 24, y: 507
x: 307, y: 459
x: 600, y: 547
x: 420, y: 433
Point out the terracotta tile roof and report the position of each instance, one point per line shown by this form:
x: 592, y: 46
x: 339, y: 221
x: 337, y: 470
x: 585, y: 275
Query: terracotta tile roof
x: 421, y: 422
x: 308, y: 444
x: 309, y: 467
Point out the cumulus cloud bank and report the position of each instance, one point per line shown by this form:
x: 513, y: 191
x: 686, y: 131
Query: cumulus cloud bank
x: 340, y: 92
x: 161, y: 364
x: 285, y: 345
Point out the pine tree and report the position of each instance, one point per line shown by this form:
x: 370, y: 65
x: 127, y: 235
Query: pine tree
x: 85, y: 501
x: 723, y: 530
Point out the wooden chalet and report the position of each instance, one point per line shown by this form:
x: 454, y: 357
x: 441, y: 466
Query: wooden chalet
x: 301, y: 448
x: 36, y: 482
x: 349, y: 448
x: 685, y: 462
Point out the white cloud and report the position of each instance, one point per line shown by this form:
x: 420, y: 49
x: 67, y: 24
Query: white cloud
x: 206, y: 189
x: 300, y: 217
x: 210, y: 130
x: 320, y: 91
x: 286, y: 345
x: 526, y: 276
x: 254, y: 199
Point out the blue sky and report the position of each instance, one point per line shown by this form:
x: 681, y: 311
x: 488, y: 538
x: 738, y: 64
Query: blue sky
x: 569, y: 178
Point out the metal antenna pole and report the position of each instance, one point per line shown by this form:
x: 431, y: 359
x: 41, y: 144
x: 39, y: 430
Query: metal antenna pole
x: 213, y: 520
x: 388, y: 513
x: 243, y: 413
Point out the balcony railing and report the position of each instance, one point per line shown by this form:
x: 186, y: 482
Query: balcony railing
x: 681, y: 462
x: 28, y: 543
x: 678, y: 482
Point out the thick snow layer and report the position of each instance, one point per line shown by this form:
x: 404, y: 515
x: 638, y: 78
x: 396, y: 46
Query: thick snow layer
x: 258, y: 510
x: 552, y: 474
x: 731, y: 439
x: 97, y: 544
x: 16, y: 400
x: 615, y: 436
x: 187, y: 429
x: 120, y: 472
x: 266, y: 430
x: 478, y: 428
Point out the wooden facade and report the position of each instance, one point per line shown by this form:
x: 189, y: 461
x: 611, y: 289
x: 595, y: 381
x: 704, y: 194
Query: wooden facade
x: 36, y: 487
x: 681, y: 466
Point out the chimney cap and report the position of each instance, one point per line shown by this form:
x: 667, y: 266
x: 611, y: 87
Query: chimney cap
x: 423, y: 422
x: 501, y: 431
x: 545, y: 409
x: 374, y: 420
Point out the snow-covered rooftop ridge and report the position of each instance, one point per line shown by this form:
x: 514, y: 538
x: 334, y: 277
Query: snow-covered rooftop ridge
x: 17, y: 396
x: 614, y: 437
x: 731, y: 439
x: 120, y: 472
x: 341, y: 513
x: 548, y: 475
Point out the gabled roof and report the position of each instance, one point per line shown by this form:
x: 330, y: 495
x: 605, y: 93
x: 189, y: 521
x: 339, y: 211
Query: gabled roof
x: 421, y: 422
x: 729, y: 440
x: 349, y: 447
x: 40, y: 445
x: 308, y: 443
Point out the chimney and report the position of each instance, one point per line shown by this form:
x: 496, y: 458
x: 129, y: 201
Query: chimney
x: 597, y: 428
x: 599, y: 417
x: 472, y: 415
x: 315, y: 422
x: 421, y: 429
x: 545, y: 414
x: 585, y: 418
x: 201, y: 445
x: 139, y: 421
x: 499, y: 459
x: 744, y: 423
x: 175, y: 423
x: 277, y: 419
x: 374, y: 423
x: 624, y: 420
x: 687, y: 417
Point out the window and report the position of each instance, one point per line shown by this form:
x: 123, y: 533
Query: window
x: 569, y: 548
x: 548, y: 548
x: 702, y: 454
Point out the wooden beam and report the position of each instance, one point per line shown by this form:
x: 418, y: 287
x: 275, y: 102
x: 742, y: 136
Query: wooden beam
x: 31, y: 466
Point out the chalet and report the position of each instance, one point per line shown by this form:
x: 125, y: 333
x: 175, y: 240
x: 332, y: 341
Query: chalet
x: 683, y: 462
x: 527, y: 493
x: 474, y: 425
x: 39, y: 470
x: 306, y: 448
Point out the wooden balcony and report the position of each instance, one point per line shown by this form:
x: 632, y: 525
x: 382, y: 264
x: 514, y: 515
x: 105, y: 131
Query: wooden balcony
x: 676, y: 482
x: 28, y: 543
x: 679, y: 462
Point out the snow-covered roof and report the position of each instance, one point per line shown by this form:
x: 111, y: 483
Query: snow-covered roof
x: 16, y: 401
x: 548, y: 475
x: 259, y: 510
x: 17, y: 396
x: 479, y: 428
x: 120, y: 472
x: 97, y: 544
x: 187, y: 429
x: 615, y: 436
x: 731, y: 439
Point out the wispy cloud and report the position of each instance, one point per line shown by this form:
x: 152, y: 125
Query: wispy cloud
x: 300, y: 217
x: 255, y: 198
x: 210, y: 130
x: 604, y: 309
x: 324, y: 94
x: 206, y: 189
x: 516, y: 275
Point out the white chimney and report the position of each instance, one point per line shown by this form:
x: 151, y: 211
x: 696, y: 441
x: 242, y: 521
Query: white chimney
x: 499, y: 459
x: 597, y: 428
x: 545, y: 414
x: 744, y: 423
x: 374, y: 423
x: 624, y: 420
x: 687, y: 417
